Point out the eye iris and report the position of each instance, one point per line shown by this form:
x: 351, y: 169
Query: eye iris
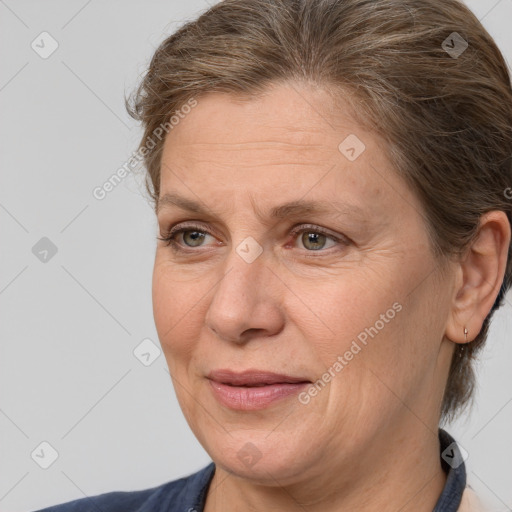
x: 195, y: 236
x: 316, y: 239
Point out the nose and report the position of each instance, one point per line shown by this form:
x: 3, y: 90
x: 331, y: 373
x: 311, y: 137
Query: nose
x: 247, y: 302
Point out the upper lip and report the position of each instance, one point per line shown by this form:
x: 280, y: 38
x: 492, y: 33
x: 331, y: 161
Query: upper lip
x: 252, y: 377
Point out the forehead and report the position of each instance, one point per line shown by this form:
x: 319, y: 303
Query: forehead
x: 290, y: 118
x: 283, y: 143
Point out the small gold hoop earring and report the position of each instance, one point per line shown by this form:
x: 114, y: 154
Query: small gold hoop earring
x: 466, y: 334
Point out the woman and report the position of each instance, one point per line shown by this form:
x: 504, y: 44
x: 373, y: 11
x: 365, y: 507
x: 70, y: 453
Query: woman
x: 330, y: 180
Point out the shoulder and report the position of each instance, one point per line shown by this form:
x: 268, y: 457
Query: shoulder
x: 470, y: 502
x: 180, y: 494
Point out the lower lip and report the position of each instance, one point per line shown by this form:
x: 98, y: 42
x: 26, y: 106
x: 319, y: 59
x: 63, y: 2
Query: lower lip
x: 245, y: 398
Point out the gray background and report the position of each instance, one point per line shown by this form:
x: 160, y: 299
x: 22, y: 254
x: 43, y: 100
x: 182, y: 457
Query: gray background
x: 68, y: 374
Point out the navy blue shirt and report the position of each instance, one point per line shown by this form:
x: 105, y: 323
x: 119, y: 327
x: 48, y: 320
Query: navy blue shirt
x: 188, y: 494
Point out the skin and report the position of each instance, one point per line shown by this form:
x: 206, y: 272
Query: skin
x: 368, y: 440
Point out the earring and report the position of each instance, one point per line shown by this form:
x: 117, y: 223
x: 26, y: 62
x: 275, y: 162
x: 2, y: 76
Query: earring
x: 466, y: 334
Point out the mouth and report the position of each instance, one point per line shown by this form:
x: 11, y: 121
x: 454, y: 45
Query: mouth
x: 253, y: 378
x: 253, y: 389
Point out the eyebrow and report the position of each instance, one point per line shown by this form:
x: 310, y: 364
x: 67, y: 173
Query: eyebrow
x: 290, y: 209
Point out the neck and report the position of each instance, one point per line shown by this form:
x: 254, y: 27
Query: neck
x: 393, y: 472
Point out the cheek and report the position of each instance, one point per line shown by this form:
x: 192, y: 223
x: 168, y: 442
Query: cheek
x: 176, y: 307
x: 387, y: 353
x: 346, y: 308
x: 370, y: 320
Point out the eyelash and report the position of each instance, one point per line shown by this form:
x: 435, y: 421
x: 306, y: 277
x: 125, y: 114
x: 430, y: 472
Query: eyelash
x: 303, y: 228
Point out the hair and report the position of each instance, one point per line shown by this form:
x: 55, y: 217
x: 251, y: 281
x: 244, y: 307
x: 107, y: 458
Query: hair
x: 446, y: 118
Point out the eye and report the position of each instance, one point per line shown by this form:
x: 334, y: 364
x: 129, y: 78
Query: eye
x: 313, y: 238
x: 192, y: 236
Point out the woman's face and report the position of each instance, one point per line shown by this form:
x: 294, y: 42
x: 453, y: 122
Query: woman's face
x: 339, y: 289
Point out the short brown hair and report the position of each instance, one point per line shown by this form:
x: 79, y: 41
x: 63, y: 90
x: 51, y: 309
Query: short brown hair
x: 447, y: 117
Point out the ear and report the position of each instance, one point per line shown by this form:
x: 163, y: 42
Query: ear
x: 479, y: 277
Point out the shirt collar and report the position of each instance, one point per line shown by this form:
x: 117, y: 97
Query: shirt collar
x: 452, y: 462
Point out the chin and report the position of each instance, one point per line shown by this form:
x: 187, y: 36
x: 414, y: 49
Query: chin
x: 267, y: 459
